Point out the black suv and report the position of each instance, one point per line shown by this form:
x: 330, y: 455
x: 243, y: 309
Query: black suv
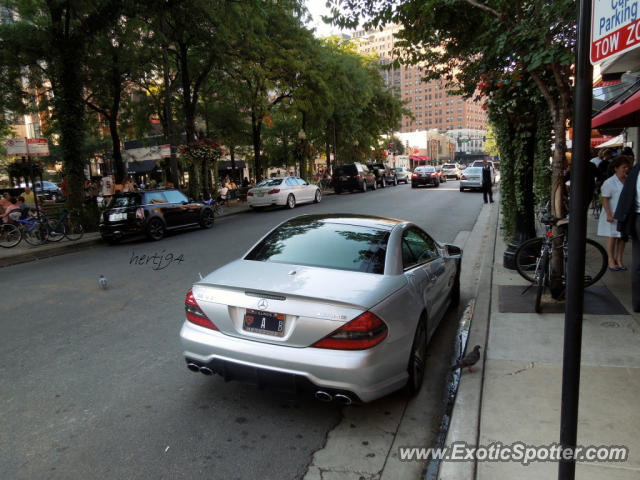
x: 151, y: 212
x: 384, y: 175
x: 353, y: 176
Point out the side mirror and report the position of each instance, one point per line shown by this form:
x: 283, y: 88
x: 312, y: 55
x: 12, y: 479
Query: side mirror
x: 191, y: 200
x: 452, y: 250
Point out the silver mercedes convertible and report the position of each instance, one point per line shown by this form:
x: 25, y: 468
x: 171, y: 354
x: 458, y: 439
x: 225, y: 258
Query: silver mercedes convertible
x: 341, y: 306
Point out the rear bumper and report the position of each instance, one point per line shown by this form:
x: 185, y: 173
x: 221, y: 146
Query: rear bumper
x: 424, y: 181
x: 470, y: 184
x: 119, y: 230
x: 265, y: 201
x: 363, y: 374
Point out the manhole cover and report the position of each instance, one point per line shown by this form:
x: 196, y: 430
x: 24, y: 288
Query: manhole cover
x: 610, y: 324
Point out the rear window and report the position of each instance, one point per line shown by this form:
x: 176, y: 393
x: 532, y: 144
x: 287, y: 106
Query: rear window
x: 119, y: 201
x: 323, y: 244
x: 425, y: 169
x: 473, y: 171
x: 345, y: 170
x: 448, y: 165
x: 270, y: 183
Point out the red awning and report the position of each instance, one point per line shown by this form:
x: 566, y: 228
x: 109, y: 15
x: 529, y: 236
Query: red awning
x: 622, y: 114
x: 419, y: 158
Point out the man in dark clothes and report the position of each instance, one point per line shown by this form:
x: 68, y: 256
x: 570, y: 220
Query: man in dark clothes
x: 486, y: 182
x: 628, y: 216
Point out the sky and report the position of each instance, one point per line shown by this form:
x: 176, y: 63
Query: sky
x: 318, y: 8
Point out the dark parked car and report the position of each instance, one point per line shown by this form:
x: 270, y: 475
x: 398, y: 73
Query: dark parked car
x: 384, y: 175
x: 48, y: 191
x: 151, y: 212
x: 425, y: 176
x: 353, y: 176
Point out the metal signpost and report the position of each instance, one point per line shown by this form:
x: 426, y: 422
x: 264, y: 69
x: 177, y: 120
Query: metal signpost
x: 605, y: 28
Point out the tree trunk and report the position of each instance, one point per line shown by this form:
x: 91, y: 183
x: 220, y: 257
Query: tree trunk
x: 256, y: 128
x: 168, y: 112
x: 558, y: 208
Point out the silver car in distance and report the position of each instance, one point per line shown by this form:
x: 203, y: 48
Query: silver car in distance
x: 338, y: 305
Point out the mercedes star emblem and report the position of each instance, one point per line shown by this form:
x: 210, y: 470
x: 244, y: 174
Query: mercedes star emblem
x: 263, y: 304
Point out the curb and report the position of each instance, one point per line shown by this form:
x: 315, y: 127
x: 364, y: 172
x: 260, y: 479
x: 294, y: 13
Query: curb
x: 464, y: 425
x: 50, y: 252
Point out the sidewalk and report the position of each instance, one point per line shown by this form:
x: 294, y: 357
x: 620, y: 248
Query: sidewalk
x: 23, y: 252
x: 514, y: 394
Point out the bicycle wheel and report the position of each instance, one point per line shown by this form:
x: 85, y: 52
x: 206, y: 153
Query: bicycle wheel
x: 541, y: 273
x: 526, y: 258
x: 218, y: 209
x: 73, y: 228
x: 36, y: 233
x: 56, y: 232
x: 595, y: 262
x: 10, y: 235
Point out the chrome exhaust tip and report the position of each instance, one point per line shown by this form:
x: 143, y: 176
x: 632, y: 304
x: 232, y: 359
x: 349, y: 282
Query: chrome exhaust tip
x: 193, y: 367
x: 345, y: 400
x: 206, y: 370
x: 323, y: 396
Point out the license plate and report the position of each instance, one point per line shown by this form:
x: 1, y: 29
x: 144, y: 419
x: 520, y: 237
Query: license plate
x: 261, y: 194
x: 114, y: 217
x: 266, y: 323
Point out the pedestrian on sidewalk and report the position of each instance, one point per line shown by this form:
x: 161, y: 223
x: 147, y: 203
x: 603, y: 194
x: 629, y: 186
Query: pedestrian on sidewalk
x: 607, y: 226
x: 487, y: 184
x: 628, y: 216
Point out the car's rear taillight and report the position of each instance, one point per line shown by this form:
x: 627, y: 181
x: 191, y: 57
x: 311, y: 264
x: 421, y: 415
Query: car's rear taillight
x: 434, y: 174
x: 462, y: 177
x: 358, y: 177
x: 249, y: 194
x: 140, y: 213
x: 195, y: 313
x: 273, y: 190
x: 364, y: 331
x: 414, y: 175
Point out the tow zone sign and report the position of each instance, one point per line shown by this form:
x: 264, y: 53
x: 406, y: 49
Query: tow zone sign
x: 615, y: 28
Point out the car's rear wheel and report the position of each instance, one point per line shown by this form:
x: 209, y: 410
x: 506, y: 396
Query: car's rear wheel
x: 375, y: 185
x: 413, y: 185
x: 364, y: 185
x: 437, y: 184
x: 291, y: 201
x: 417, y: 359
x: 461, y: 189
x: 383, y: 183
x: 207, y: 219
x: 395, y: 181
x: 155, y: 229
x: 317, y: 197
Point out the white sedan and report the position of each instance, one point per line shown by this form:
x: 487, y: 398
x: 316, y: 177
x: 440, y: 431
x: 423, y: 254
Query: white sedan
x: 287, y: 191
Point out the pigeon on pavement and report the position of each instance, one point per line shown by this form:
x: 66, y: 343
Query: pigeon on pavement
x: 469, y: 360
x: 102, y: 282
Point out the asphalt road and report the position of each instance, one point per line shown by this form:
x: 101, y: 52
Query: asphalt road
x: 93, y: 383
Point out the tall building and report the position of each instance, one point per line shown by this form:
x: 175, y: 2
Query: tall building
x: 431, y: 105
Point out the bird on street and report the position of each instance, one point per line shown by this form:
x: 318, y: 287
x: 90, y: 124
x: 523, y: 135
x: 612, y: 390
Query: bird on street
x: 102, y: 282
x: 469, y: 360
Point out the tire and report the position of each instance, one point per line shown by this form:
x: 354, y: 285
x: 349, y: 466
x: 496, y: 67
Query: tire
x: 338, y: 191
x: 406, y: 182
x: 526, y: 258
x: 395, y: 181
x: 383, y: 183
x: 595, y: 262
x: 155, y: 229
x: 375, y: 185
x: 218, y: 209
x: 364, y: 186
x: 73, y: 228
x: 291, y: 201
x: 417, y: 359
x: 37, y: 235
x: 55, y: 235
x: 413, y: 185
x: 207, y: 218
x: 317, y: 197
x: 461, y: 189
x: 10, y: 235
x: 541, y: 274
x: 437, y: 184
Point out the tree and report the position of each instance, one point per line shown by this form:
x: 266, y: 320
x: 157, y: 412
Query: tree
x: 461, y: 40
x: 51, y: 40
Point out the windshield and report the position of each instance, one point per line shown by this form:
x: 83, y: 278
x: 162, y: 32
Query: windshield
x: 324, y: 244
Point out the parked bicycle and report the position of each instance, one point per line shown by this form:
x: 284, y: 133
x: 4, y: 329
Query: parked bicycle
x: 66, y: 225
x: 10, y: 235
x: 533, y: 257
x: 217, y: 204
